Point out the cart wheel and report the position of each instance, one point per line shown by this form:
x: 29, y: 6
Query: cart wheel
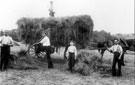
x: 32, y: 52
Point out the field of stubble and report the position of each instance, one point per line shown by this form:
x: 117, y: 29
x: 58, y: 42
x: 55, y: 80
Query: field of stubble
x: 60, y: 76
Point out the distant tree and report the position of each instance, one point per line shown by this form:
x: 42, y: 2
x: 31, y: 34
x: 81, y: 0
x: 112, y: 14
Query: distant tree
x: 100, y: 36
x: 125, y: 36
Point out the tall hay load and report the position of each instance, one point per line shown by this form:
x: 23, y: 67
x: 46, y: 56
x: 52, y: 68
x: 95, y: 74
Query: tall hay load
x: 30, y: 29
x: 60, y: 30
x: 77, y: 28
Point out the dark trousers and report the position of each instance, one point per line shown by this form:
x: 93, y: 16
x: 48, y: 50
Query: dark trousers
x: 115, y: 61
x: 122, y: 59
x: 48, y: 53
x: 5, y: 55
x: 71, y: 62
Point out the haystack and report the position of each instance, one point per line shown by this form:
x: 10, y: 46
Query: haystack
x: 89, y: 62
x: 60, y: 30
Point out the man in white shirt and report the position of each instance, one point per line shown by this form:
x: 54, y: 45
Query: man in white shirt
x: 117, y: 50
x: 6, y: 42
x: 71, y: 55
x: 45, y: 41
x: 46, y: 45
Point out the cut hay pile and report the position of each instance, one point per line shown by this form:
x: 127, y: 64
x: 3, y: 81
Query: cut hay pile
x: 89, y: 61
x: 22, y: 61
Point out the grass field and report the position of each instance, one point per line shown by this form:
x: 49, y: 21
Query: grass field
x: 60, y: 76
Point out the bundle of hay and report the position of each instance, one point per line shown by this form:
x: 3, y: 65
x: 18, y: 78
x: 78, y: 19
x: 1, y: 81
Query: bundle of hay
x: 23, y: 62
x: 89, y: 62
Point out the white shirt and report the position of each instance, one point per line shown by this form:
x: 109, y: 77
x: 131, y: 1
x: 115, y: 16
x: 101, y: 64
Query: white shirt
x: 116, y: 48
x: 7, y: 40
x: 45, y: 41
x: 72, y: 49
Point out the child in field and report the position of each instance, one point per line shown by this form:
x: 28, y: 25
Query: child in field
x: 71, y: 55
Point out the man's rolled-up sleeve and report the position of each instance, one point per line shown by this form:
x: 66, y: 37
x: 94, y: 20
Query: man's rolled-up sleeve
x: 43, y: 40
x: 111, y: 48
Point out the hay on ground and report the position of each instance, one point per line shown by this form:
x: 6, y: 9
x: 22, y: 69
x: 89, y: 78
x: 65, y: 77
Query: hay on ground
x: 88, y: 62
x: 23, y: 62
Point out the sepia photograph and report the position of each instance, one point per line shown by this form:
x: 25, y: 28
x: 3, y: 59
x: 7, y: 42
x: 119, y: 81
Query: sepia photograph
x: 67, y: 42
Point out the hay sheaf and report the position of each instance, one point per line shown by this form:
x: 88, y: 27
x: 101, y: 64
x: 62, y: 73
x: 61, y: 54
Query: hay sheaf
x: 88, y: 62
x: 22, y: 61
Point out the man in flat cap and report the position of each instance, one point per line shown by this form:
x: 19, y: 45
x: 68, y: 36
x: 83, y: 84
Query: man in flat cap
x: 117, y: 50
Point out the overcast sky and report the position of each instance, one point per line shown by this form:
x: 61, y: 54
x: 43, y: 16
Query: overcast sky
x: 114, y: 16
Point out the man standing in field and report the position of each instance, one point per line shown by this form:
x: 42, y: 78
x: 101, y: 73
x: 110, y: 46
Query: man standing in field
x: 117, y: 50
x: 46, y: 45
x: 6, y: 42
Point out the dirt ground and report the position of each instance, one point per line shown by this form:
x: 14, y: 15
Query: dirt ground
x: 60, y: 76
